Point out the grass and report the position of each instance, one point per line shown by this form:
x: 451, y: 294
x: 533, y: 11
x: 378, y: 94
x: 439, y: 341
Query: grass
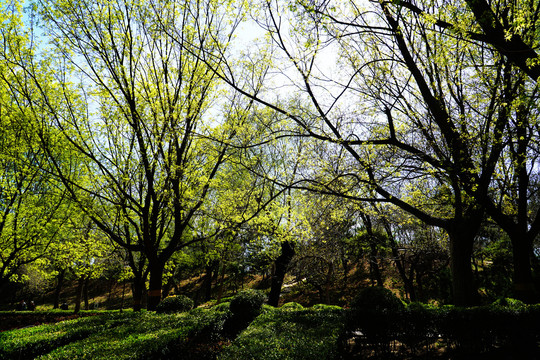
x: 110, y: 335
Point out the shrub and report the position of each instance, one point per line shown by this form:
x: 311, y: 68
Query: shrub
x: 245, y: 307
x: 179, y: 303
x: 509, y: 302
x: 377, y: 298
x: 375, y: 312
x: 326, y: 307
x: 285, y: 334
x: 292, y: 306
x: 222, y: 307
x: 247, y: 303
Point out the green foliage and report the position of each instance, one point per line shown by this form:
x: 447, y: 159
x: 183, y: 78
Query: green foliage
x: 111, y: 335
x: 292, y: 306
x: 326, y: 307
x: 224, y: 306
x: 509, y: 302
x: 178, y: 303
x: 377, y: 298
x: 247, y: 303
x: 477, y: 330
x: 30, y: 342
x: 281, y: 334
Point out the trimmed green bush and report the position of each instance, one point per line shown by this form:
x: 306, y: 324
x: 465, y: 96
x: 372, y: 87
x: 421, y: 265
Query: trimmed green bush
x: 247, y: 303
x: 244, y: 306
x: 377, y: 298
x: 291, y: 306
x: 509, y: 302
x: 326, y: 307
x: 285, y: 334
x: 224, y: 306
x: 171, y: 304
x: 374, y: 313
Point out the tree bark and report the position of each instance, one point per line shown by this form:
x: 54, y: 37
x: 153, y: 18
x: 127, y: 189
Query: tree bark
x: 138, y: 289
x: 85, y: 294
x: 58, y: 289
x: 524, y: 289
x: 154, y: 288
x: 78, y: 295
x: 461, y: 246
x: 281, y: 266
x: 207, y: 282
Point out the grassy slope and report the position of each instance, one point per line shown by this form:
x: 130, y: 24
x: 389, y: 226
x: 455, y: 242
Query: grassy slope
x: 288, y: 333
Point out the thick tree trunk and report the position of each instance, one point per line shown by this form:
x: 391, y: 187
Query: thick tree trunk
x: 281, y: 265
x: 154, y: 290
x: 137, y: 290
x: 461, y: 246
x: 58, y: 289
x: 524, y: 289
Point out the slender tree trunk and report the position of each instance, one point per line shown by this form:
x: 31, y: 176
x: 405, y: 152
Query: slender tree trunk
x: 156, y: 279
x: 85, y: 294
x: 207, y: 282
x: 329, y: 281
x: 123, y: 295
x: 221, y: 283
x: 281, y: 266
x: 374, y: 263
x: 58, y: 289
x: 78, y: 295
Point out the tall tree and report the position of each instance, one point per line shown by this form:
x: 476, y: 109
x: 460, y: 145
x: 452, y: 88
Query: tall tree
x: 33, y: 207
x: 136, y: 106
x: 417, y: 116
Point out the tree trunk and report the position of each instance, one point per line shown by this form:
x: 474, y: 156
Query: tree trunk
x: 523, y: 280
x: 207, y: 282
x: 221, y: 283
x: 78, y: 295
x: 58, y: 289
x: 461, y: 246
x: 138, y: 289
x: 85, y: 294
x: 281, y: 265
x: 154, y: 290
x: 375, y: 271
x: 123, y: 295
x: 329, y: 282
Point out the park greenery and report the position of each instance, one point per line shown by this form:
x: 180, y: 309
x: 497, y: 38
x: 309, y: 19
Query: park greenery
x: 310, y: 148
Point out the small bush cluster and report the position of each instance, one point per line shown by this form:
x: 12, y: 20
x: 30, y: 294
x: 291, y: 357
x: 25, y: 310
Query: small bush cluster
x: 171, y: 304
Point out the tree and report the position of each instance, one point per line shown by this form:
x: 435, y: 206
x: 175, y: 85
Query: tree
x: 439, y: 161
x: 33, y: 207
x: 139, y: 117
